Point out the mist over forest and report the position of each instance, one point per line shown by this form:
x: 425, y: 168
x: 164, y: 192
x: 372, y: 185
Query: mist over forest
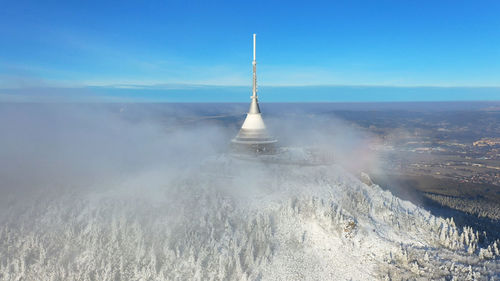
x: 152, y: 192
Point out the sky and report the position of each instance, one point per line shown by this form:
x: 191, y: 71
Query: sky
x: 153, y: 50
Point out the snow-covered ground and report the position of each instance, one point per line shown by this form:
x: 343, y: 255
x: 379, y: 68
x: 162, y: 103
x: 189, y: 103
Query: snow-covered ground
x: 232, y: 218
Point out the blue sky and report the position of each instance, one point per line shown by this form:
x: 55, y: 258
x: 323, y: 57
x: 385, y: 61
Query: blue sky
x: 166, y: 45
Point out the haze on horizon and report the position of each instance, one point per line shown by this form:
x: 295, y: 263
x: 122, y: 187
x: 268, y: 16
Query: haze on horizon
x: 391, y: 50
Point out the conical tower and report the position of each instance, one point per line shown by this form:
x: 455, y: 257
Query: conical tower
x: 253, y: 136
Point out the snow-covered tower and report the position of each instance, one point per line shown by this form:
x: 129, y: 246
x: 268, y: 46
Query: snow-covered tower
x: 253, y: 136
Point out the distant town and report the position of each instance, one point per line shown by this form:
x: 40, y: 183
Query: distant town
x: 449, y: 158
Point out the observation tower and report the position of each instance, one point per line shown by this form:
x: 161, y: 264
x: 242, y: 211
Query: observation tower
x: 253, y: 136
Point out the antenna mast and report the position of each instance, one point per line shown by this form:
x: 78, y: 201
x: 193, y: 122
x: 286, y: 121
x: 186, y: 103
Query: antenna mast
x: 254, y: 63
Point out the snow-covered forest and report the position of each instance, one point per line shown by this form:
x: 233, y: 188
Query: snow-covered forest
x: 216, y: 222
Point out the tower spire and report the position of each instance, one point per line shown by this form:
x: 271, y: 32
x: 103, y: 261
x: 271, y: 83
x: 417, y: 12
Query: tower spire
x: 254, y: 63
x: 254, y: 105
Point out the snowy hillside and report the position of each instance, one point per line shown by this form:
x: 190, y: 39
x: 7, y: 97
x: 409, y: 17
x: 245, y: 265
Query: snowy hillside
x: 234, y: 219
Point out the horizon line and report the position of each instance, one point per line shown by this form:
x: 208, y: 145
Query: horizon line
x: 167, y: 85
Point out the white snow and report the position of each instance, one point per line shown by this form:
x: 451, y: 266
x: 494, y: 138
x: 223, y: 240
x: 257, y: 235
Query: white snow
x: 235, y: 219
